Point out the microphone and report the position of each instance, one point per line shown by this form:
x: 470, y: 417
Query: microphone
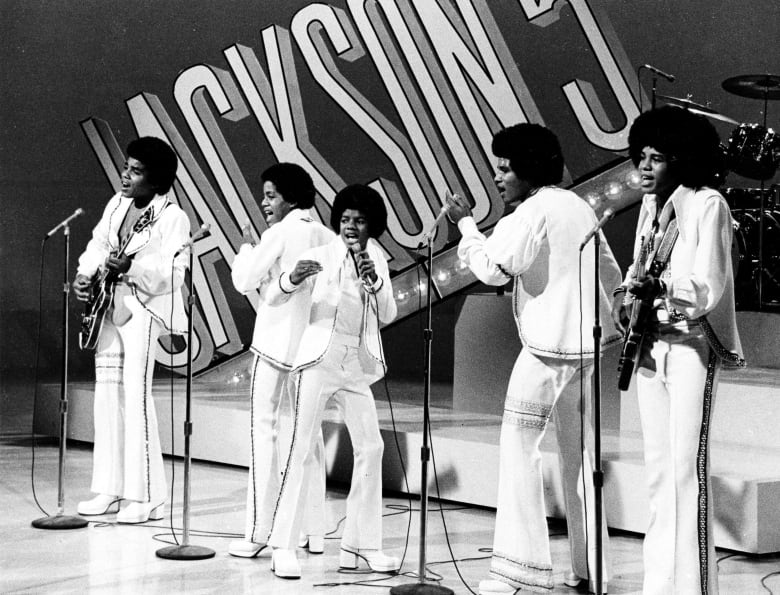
x: 428, y: 235
x: 659, y: 72
x: 202, y: 230
x: 607, y: 216
x: 356, y: 249
x: 77, y: 213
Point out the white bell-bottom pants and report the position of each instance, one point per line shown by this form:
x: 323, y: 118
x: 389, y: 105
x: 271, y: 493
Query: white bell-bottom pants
x: 337, y: 376
x: 675, y: 406
x: 127, y: 459
x: 540, y: 387
x: 271, y: 412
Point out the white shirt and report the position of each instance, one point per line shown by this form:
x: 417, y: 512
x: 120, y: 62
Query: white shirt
x: 278, y: 330
x: 154, y: 272
x: 553, y: 297
x: 699, y: 276
x: 349, y: 317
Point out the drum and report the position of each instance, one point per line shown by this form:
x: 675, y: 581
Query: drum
x: 745, y: 198
x: 753, y: 151
x: 745, y: 257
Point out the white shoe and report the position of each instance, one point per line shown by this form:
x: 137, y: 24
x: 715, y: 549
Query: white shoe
x: 314, y: 543
x: 284, y: 563
x: 100, y: 504
x: 140, y: 512
x: 377, y: 560
x: 243, y: 548
x: 573, y: 580
x: 494, y: 587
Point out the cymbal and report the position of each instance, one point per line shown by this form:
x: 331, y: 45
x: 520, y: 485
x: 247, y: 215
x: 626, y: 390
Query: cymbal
x: 715, y: 116
x: 686, y: 103
x: 697, y: 108
x: 756, y: 86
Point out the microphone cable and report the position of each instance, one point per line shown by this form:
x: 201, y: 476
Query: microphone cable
x: 173, y: 425
x: 36, y: 378
x: 400, y: 459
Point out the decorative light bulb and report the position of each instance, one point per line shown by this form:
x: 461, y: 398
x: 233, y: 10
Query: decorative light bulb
x: 634, y: 179
x: 613, y: 190
x: 442, y: 277
x: 593, y: 199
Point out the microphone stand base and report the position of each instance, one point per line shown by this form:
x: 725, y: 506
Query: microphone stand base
x: 61, y: 522
x: 420, y: 589
x: 185, y: 552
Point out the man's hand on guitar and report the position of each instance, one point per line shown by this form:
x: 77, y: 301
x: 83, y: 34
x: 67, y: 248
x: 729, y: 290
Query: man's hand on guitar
x: 81, y: 287
x: 118, y: 264
x: 647, y: 288
x: 620, y: 313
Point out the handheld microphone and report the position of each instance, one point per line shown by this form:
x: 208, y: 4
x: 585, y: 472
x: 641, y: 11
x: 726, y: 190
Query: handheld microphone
x: 202, y: 230
x: 659, y: 72
x: 607, y: 216
x: 357, y: 249
x: 77, y: 213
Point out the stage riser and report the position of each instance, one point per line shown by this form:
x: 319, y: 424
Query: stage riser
x: 747, y: 517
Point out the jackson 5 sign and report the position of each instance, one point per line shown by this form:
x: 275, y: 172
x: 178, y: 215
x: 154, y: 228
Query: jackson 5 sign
x: 422, y: 84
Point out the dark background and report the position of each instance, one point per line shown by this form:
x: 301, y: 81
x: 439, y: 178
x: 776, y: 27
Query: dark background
x: 65, y: 61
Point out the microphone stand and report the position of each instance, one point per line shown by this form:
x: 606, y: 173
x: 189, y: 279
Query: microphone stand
x: 598, y: 473
x: 185, y: 551
x: 62, y: 521
x: 421, y: 587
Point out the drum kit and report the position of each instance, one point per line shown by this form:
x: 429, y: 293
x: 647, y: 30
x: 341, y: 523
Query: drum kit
x: 753, y: 151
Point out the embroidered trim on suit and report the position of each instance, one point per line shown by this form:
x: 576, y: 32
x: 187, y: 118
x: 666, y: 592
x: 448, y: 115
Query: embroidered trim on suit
x: 252, y: 469
x: 108, y: 368
x: 521, y: 573
x: 148, y: 370
x: 527, y: 414
x: 294, y: 438
x: 525, y: 420
x: 270, y: 359
x: 730, y: 359
x: 701, y: 472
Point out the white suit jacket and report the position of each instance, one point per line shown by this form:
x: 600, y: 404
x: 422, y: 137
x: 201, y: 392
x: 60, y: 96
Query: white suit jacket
x: 699, y: 276
x: 538, y: 246
x: 323, y: 293
x: 154, y: 273
x: 278, y: 330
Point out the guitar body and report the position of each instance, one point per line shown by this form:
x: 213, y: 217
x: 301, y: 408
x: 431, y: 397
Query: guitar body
x: 102, y: 293
x: 632, y: 345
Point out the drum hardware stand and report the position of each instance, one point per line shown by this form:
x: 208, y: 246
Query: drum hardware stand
x: 421, y: 587
x: 762, y: 86
x: 761, y: 222
x: 62, y: 521
x: 185, y: 551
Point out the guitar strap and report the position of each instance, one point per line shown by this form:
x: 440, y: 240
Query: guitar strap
x: 665, y: 249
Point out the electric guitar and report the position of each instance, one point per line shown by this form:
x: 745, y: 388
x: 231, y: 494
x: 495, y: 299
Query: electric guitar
x: 640, y: 310
x: 101, y: 291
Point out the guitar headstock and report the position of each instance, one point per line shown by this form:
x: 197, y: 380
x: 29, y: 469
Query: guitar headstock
x: 143, y: 221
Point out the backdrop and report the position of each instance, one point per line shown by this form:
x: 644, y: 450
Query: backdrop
x: 404, y: 95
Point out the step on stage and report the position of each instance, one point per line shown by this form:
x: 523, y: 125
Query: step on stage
x: 745, y: 449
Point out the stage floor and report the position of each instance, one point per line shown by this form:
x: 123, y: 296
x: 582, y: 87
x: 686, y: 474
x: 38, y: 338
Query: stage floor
x: 745, y: 452
x: 110, y: 558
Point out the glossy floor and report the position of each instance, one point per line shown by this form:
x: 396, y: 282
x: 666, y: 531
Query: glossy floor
x: 110, y: 558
